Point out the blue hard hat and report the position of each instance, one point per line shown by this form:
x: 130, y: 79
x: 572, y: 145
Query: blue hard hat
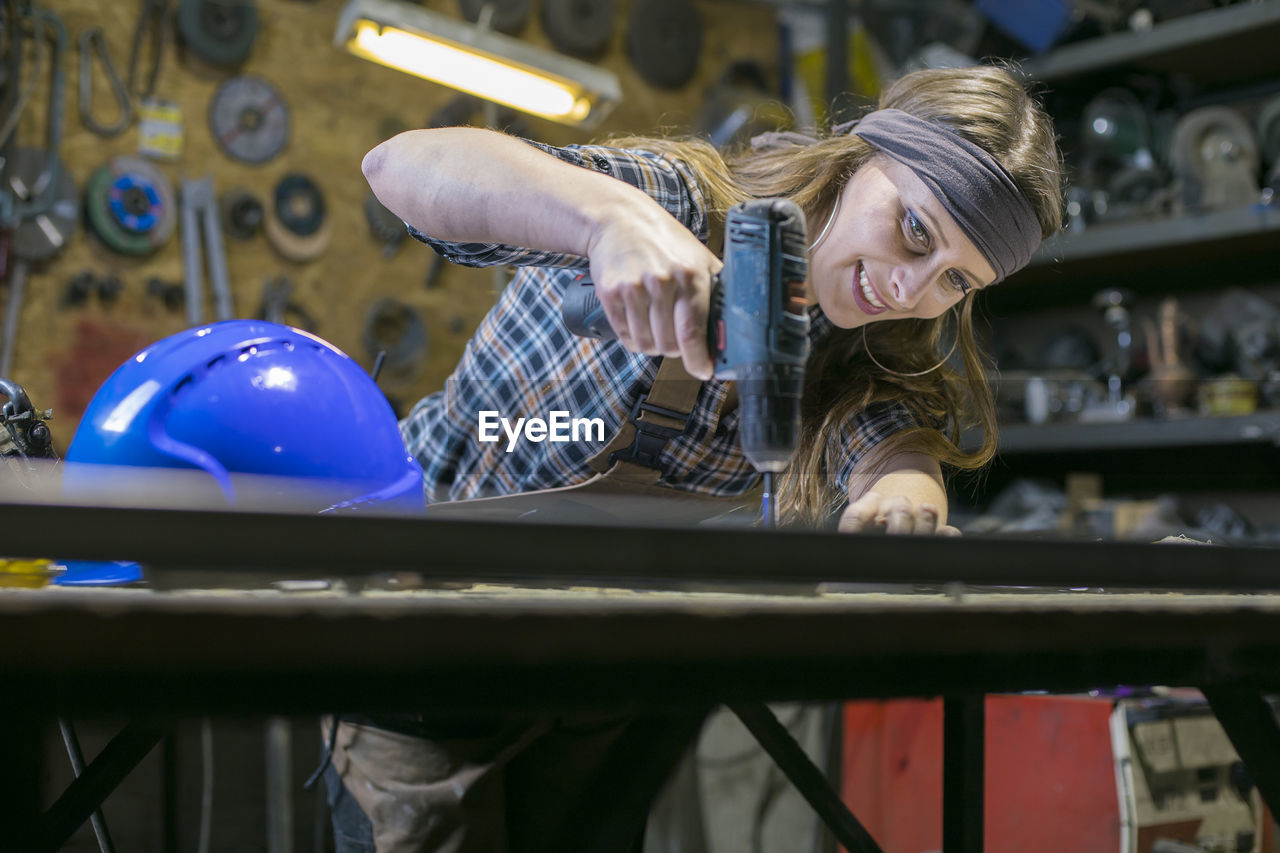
x: 248, y: 397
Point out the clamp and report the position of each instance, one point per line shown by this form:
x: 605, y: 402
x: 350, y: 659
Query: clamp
x: 200, y: 218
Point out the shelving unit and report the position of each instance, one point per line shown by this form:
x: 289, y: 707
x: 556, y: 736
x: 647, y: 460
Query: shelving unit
x: 1232, y: 43
x: 1219, y: 53
x: 1160, y: 234
x: 1260, y: 429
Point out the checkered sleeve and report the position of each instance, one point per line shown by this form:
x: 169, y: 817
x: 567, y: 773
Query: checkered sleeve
x: 668, y: 182
x: 861, y: 433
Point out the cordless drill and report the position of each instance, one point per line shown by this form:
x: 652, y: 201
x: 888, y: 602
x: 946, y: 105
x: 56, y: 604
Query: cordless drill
x: 757, y: 329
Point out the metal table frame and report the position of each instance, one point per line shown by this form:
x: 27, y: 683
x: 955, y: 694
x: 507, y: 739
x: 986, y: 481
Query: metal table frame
x: 172, y: 653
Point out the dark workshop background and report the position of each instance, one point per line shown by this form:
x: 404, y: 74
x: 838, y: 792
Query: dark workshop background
x: 1138, y: 355
x: 339, y: 107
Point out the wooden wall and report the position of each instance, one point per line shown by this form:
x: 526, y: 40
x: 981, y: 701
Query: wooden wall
x: 340, y: 107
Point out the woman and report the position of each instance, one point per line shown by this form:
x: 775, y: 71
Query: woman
x: 945, y: 190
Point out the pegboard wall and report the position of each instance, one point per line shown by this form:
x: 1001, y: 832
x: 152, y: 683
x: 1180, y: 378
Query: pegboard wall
x: 339, y: 107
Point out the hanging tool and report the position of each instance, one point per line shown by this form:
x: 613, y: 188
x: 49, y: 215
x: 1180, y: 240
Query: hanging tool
x: 758, y: 329
x: 130, y: 205
x: 278, y: 305
x: 38, y: 209
x: 664, y: 38
x: 395, y: 329
x: 92, y: 40
x: 296, y: 224
x: 219, y: 32
x: 152, y: 20
x: 26, y: 432
x: 249, y: 119
x: 201, y: 225
x: 580, y: 28
x: 242, y: 213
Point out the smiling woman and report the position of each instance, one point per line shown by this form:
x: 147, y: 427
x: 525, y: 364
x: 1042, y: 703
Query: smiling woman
x: 939, y: 194
x: 919, y: 213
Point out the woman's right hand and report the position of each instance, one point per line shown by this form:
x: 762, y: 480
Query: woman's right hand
x: 653, y: 279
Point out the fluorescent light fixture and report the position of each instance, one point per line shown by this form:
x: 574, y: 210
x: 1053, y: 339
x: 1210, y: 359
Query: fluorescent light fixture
x: 478, y: 61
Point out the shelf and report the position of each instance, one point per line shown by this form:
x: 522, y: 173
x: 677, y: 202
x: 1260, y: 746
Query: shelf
x: 1159, y: 234
x: 1232, y: 43
x: 1260, y: 428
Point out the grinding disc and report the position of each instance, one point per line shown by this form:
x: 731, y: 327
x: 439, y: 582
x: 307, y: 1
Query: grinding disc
x: 296, y: 225
x: 396, y: 328
x: 42, y: 236
x: 298, y: 204
x: 220, y: 32
x: 249, y: 119
x: 578, y: 27
x: 1215, y: 157
x: 664, y: 38
x: 131, y: 206
x: 242, y: 213
x: 509, y: 16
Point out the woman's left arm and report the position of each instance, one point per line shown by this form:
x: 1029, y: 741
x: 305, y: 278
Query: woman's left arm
x: 904, y: 494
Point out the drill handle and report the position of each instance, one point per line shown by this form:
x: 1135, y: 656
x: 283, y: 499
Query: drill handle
x: 584, y: 315
x: 582, y: 312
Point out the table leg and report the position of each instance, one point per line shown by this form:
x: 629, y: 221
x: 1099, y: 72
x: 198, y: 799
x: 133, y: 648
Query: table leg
x: 1250, y: 724
x: 963, y: 773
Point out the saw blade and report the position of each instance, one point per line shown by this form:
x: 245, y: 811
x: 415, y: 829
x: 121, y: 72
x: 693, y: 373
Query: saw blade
x: 249, y: 119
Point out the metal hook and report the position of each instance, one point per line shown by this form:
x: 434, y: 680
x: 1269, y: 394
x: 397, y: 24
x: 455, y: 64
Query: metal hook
x: 152, y: 16
x: 90, y: 40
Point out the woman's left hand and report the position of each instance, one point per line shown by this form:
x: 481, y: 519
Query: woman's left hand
x: 895, y: 514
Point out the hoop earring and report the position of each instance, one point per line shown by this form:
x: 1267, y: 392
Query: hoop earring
x: 945, y: 358
x: 822, y: 235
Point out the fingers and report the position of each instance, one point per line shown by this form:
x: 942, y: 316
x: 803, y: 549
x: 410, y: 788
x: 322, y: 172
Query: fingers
x: 895, y: 515
x: 690, y: 321
x: 665, y: 316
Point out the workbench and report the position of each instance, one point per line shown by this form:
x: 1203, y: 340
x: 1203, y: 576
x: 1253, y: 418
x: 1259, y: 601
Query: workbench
x: 525, y: 615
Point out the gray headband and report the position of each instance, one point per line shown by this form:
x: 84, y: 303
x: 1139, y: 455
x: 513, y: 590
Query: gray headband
x: 975, y: 190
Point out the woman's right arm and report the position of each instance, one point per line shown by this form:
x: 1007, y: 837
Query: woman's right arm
x: 652, y: 275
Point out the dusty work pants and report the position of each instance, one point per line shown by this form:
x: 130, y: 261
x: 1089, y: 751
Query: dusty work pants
x: 561, y: 783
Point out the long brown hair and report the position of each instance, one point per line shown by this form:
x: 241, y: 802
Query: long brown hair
x: 990, y: 107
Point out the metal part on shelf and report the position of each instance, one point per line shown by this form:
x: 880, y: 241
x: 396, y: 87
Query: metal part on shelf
x: 1119, y: 168
x: 250, y: 119
x: 200, y: 220
x: 1215, y: 159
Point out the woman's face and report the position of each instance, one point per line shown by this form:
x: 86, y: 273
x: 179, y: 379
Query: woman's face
x: 892, y: 251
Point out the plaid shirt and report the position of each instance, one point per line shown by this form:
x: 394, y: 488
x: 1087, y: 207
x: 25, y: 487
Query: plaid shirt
x: 523, y: 362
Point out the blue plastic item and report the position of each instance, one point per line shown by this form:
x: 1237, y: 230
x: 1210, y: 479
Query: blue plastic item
x: 254, y: 398
x: 1035, y: 24
x: 98, y: 573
